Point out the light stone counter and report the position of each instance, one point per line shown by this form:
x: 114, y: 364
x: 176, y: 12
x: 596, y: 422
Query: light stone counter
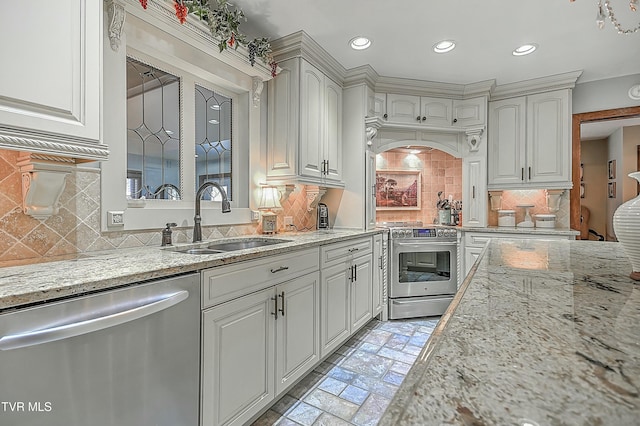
x: 527, y: 231
x: 72, y: 275
x: 541, y: 333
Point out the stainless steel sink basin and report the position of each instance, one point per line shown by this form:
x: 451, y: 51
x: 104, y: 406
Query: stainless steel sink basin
x: 245, y: 244
x: 199, y: 251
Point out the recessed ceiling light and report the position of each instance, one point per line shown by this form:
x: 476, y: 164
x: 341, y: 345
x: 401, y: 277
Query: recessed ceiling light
x: 525, y: 49
x: 444, y: 46
x: 359, y: 43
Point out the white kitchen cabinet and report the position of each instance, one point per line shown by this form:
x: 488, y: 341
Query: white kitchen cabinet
x: 529, y: 142
x: 260, y: 333
x: 305, y: 125
x: 436, y: 112
x: 377, y: 105
x: 238, y: 339
x: 257, y: 346
x: 346, y: 291
x: 362, y: 291
x: 50, y: 87
x: 474, y: 198
x: 297, y: 329
x: 378, y: 275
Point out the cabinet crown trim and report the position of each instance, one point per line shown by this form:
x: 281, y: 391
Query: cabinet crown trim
x: 537, y: 85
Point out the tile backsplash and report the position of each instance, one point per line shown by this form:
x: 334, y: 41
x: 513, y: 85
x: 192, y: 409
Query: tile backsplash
x: 76, y: 228
x: 439, y: 172
x: 537, y: 197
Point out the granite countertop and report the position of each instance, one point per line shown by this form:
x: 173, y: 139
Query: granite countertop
x: 530, y: 231
x: 26, y: 284
x: 541, y: 333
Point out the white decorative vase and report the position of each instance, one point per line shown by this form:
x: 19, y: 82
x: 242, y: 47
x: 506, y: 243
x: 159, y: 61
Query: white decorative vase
x: 626, y: 225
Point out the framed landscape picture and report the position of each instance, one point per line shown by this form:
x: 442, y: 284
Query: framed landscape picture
x: 398, y: 190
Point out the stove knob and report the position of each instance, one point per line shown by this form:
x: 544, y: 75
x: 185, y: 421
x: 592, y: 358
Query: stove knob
x: 447, y: 233
x: 395, y: 234
x: 407, y: 233
x: 439, y: 233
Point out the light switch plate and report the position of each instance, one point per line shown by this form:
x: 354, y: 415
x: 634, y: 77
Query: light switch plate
x: 115, y: 218
x: 255, y: 215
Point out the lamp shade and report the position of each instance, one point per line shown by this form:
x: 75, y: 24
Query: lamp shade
x: 270, y: 198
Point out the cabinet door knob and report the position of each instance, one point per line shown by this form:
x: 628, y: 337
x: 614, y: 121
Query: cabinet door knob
x: 418, y: 118
x: 424, y: 118
x: 385, y: 116
x: 455, y: 120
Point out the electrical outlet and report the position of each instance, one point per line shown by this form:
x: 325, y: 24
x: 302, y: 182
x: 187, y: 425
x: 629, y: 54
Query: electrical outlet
x: 115, y: 218
x: 288, y: 221
x: 255, y: 215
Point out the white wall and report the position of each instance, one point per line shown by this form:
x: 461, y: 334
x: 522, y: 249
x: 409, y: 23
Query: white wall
x: 604, y: 94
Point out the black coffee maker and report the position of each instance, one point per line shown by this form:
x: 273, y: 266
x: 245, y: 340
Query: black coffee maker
x: 323, y: 216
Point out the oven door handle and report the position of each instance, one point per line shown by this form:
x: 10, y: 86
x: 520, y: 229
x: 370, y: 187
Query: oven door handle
x: 421, y: 246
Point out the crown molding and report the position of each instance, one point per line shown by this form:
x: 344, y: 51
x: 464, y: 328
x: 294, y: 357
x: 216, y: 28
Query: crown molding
x: 359, y: 75
x: 300, y: 44
x: 536, y: 85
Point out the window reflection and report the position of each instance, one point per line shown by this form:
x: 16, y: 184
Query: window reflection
x: 213, y: 140
x: 153, y: 132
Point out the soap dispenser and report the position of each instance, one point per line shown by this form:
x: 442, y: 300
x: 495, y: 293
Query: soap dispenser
x: 166, y: 234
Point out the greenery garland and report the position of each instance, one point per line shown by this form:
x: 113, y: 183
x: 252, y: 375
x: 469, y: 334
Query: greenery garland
x: 224, y: 24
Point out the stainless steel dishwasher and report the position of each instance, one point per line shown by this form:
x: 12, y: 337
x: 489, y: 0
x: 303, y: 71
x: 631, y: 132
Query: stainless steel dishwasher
x: 125, y: 357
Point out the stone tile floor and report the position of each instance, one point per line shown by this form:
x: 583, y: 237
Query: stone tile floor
x: 355, y: 385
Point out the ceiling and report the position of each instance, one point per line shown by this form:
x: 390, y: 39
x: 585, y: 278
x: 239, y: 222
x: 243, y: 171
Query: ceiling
x: 486, y: 32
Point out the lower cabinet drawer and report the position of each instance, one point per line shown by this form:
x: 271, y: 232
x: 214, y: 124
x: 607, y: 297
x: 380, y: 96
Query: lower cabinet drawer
x: 225, y: 283
x: 339, y: 252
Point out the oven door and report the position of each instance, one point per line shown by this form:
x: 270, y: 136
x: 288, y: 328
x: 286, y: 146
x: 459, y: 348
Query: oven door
x: 420, y: 268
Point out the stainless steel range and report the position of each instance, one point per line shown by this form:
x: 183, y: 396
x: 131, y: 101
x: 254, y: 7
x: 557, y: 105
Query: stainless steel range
x: 423, y: 269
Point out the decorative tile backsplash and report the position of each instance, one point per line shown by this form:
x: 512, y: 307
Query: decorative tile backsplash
x: 76, y: 228
x: 439, y: 172
x: 537, y: 197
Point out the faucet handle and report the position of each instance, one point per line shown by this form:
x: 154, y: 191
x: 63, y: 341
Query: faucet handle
x: 170, y: 224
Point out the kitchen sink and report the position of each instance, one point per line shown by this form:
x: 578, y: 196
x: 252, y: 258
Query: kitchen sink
x: 245, y: 244
x: 199, y: 251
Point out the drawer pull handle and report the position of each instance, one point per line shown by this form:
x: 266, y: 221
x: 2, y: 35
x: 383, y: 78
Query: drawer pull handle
x: 351, y: 250
x: 282, y: 297
x: 282, y: 268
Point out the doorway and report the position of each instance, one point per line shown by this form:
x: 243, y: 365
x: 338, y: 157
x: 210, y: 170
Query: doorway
x: 577, y: 120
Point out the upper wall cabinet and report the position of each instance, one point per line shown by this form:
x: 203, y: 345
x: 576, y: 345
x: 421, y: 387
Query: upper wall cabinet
x: 305, y: 125
x: 431, y: 111
x: 50, y: 82
x: 529, y: 142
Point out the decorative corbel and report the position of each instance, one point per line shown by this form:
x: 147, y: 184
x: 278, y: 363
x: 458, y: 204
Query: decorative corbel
x: 285, y: 190
x: 314, y: 195
x: 116, y: 22
x: 474, y: 136
x: 43, y: 180
x: 371, y: 126
x: 495, y: 197
x: 554, y: 198
x: 257, y: 87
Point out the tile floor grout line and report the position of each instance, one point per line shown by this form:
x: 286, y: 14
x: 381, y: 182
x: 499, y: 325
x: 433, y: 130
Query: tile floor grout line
x: 353, y: 367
